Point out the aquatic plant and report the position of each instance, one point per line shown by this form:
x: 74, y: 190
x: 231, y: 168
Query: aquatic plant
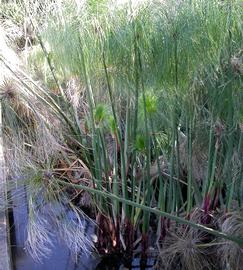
x: 138, y: 106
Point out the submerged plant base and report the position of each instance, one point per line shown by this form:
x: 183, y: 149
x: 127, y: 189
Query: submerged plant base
x: 144, y: 250
x: 116, y: 263
x: 106, y: 235
x: 129, y: 238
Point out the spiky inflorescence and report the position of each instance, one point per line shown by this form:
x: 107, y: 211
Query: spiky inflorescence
x: 53, y: 217
x: 39, y: 237
x: 185, y: 249
x: 73, y: 231
x: 188, y: 248
x: 230, y: 253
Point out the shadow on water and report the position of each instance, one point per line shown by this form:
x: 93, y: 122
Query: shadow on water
x: 60, y: 258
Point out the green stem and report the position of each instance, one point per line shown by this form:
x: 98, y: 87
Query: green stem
x: 198, y: 226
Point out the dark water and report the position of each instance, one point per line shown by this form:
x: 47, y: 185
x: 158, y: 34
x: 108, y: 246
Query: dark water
x: 60, y: 259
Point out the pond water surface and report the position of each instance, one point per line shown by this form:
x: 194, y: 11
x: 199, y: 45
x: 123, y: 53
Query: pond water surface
x: 60, y: 259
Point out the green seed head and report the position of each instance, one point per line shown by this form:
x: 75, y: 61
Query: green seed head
x: 151, y: 103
